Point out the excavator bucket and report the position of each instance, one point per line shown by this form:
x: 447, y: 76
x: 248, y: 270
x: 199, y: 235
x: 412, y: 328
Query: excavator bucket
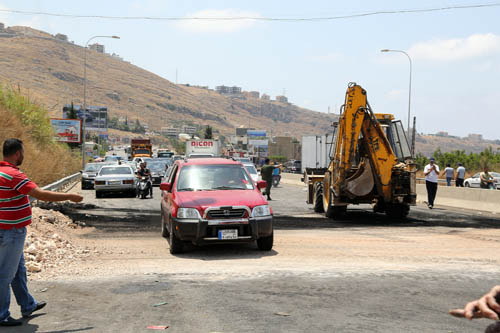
x: 361, y: 183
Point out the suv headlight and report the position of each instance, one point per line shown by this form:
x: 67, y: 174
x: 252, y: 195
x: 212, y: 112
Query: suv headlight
x: 259, y: 211
x: 85, y: 175
x: 188, y: 213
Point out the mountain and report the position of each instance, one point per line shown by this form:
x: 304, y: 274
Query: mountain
x: 51, y: 71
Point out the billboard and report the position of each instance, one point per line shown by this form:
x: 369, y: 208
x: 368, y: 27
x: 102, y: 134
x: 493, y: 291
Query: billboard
x: 258, y: 133
x: 67, y: 130
x: 258, y: 143
x: 96, y: 117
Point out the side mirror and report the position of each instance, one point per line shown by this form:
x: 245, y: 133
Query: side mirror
x: 261, y: 184
x: 81, y: 171
x: 166, y: 187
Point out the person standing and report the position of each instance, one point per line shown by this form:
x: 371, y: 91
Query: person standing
x: 15, y: 215
x: 431, y: 172
x: 449, y: 172
x: 267, y: 174
x: 459, y: 181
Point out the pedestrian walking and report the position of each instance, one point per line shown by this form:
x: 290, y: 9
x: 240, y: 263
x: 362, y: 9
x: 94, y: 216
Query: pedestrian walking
x: 15, y: 215
x: 267, y: 174
x: 459, y: 181
x: 449, y: 172
x: 431, y: 172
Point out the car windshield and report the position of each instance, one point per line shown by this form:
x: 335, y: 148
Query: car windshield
x: 495, y: 174
x: 214, y: 177
x: 251, y: 169
x: 165, y: 154
x: 142, y: 151
x: 115, y: 171
x: 91, y: 168
x: 156, y: 166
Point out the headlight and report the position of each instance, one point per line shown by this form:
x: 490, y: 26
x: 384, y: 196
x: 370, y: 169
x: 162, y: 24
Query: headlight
x: 85, y: 175
x: 188, y: 213
x: 259, y: 211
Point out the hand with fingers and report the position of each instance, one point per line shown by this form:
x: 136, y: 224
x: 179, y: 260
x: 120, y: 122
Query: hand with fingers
x: 487, y: 306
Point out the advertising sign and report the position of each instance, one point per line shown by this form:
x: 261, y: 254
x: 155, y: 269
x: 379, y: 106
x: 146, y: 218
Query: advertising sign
x: 258, y: 143
x: 258, y: 133
x: 96, y: 117
x: 67, y: 130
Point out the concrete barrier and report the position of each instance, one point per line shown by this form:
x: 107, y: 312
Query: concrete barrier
x: 462, y: 197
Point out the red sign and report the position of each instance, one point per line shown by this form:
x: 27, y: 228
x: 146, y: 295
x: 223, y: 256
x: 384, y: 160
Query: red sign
x: 202, y: 143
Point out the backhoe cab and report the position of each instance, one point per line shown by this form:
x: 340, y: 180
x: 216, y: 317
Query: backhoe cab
x: 370, y: 162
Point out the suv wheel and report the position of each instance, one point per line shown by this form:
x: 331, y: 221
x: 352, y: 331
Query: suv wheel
x: 164, y: 230
x: 265, y: 243
x: 176, y: 245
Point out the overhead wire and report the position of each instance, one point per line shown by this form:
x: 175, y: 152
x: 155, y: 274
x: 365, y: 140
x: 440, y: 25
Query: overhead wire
x: 256, y: 18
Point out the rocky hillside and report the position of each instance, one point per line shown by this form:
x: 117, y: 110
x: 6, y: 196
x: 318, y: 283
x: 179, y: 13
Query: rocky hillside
x: 51, y: 71
x: 427, y: 144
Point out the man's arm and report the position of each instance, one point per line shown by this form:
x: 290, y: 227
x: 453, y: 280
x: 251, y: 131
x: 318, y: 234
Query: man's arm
x: 427, y: 172
x: 485, y: 307
x: 44, y: 195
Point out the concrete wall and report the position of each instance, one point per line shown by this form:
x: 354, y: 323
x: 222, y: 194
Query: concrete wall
x: 467, y: 198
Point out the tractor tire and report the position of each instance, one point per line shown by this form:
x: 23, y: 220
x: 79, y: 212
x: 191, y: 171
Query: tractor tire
x: 318, y: 198
x: 334, y: 212
x: 397, y: 211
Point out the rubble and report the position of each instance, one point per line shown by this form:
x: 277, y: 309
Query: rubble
x: 49, y: 241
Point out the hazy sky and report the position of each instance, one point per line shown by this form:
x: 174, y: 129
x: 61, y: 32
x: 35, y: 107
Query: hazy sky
x: 455, y: 53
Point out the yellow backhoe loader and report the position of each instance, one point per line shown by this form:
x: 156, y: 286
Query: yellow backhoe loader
x: 370, y: 162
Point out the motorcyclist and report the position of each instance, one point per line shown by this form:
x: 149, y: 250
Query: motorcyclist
x: 145, y: 172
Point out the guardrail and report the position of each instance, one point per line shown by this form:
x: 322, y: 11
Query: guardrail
x: 440, y: 181
x: 60, y: 184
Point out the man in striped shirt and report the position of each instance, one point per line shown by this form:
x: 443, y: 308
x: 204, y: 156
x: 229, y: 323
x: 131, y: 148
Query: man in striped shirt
x: 15, y: 215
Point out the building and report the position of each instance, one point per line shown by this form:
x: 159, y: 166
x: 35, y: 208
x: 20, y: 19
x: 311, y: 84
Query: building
x: 265, y: 97
x: 97, y: 47
x: 189, y: 129
x: 442, y: 133
x: 476, y: 137
x: 285, y: 146
x: 62, y: 37
x: 281, y: 99
x: 2, y: 27
x: 254, y: 94
x: 170, y: 131
x: 228, y: 90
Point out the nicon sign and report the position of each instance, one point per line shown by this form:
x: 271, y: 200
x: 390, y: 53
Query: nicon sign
x: 202, y: 144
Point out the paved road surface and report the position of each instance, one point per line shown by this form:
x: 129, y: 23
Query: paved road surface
x: 363, y: 274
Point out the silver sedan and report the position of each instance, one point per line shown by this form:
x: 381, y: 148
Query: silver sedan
x: 475, y: 180
x: 115, y: 178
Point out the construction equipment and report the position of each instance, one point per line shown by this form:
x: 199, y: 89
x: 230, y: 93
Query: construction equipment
x: 370, y: 162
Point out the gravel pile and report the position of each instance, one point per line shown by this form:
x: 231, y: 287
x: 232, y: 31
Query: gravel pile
x: 49, y: 241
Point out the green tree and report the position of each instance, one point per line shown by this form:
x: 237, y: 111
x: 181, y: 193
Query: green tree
x: 72, y: 114
x: 208, y: 132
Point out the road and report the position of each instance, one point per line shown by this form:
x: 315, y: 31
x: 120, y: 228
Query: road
x: 362, y: 274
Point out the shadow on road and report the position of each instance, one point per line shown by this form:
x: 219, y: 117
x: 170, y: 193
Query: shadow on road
x: 220, y: 252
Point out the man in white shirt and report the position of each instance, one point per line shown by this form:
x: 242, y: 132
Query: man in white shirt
x: 431, y: 172
x: 459, y: 182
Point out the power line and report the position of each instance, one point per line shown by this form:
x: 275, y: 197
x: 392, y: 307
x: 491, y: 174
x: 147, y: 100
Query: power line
x: 255, y: 18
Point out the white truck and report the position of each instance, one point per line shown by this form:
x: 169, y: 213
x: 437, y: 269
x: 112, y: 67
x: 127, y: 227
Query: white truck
x: 316, y: 150
x: 203, y: 148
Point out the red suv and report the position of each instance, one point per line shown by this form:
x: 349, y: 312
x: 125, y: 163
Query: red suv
x: 214, y: 200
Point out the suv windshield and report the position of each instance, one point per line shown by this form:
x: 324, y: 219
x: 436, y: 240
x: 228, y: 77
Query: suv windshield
x: 214, y: 177
x: 115, y: 171
x: 91, y: 167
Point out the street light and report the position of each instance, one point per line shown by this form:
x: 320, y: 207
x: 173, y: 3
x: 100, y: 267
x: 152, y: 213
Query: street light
x: 85, y: 93
x: 409, y: 90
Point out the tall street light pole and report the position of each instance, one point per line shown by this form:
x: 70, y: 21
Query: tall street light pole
x: 85, y: 93
x: 409, y: 90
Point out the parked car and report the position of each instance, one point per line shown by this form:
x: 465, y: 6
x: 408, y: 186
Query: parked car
x: 214, y: 200
x: 475, y: 181
x: 252, y: 171
x: 115, y: 178
x: 292, y: 166
x: 89, y: 174
x: 112, y: 158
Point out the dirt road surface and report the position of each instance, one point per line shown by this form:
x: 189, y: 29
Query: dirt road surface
x: 363, y: 274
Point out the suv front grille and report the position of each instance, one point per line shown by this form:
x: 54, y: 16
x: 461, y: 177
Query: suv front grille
x: 227, y: 213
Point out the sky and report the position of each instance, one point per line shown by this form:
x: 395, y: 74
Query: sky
x: 455, y: 53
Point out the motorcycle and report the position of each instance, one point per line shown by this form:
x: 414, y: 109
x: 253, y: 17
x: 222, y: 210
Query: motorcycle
x: 144, y: 186
x: 276, y: 180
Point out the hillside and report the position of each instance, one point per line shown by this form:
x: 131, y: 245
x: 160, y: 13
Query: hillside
x: 51, y: 71
x: 427, y: 144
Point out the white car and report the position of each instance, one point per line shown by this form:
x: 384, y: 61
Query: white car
x: 115, y: 178
x: 475, y: 181
x: 252, y: 171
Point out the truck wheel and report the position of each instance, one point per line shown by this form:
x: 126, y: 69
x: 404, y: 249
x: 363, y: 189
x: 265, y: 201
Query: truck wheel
x: 334, y: 212
x: 397, y: 211
x: 176, y: 245
x: 164, y: 230
x: 318, y: 198
x: 265, y: 243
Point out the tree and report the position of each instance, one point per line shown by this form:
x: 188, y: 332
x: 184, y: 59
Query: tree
x: 208, y: 132
x: 72, y: 114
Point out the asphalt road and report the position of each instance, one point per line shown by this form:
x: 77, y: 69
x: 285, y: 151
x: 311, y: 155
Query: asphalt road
x: 363, y: 274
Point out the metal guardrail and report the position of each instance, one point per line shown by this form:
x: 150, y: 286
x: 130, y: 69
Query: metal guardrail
x: 440, y: 181
x: 60, y: 184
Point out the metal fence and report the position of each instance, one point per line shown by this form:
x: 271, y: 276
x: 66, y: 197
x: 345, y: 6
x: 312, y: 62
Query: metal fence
x: 60, y: 184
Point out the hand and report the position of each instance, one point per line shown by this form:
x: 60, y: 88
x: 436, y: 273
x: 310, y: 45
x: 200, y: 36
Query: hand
x: 75, y: 198
x: 484, y: 307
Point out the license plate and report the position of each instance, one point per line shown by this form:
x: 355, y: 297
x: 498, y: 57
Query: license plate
x: 228, y: 234
x: 115, y: 182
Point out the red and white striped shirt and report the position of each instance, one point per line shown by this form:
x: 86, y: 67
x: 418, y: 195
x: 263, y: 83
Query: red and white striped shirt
x: 15, y: 208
